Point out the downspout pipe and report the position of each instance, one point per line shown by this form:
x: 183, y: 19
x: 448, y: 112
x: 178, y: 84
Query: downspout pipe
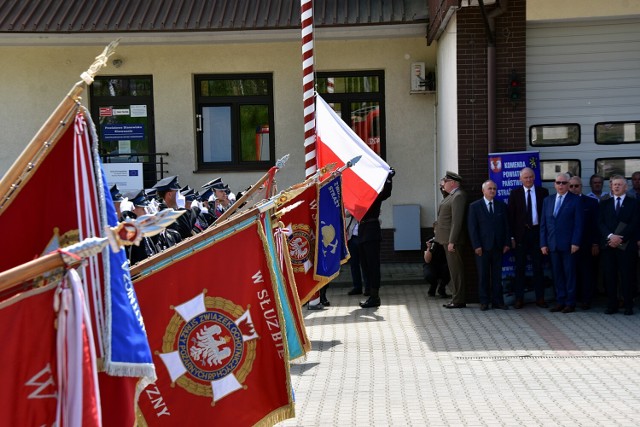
x: 490, y: 24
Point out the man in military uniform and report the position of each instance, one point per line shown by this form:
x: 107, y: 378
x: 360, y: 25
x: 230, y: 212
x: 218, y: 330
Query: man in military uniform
x: 198, y: 221
x: 146, y: 248
x: 167, y: 190
x: 450, y: 233
x: 117, y: 198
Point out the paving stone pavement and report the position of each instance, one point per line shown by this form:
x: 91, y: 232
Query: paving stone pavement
x: 412, y: 362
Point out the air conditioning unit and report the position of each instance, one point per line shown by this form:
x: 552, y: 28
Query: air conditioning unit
x: 467, y: 3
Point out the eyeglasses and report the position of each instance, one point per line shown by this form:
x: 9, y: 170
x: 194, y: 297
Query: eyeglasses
x: 562, y: 182
x: 574, y: 186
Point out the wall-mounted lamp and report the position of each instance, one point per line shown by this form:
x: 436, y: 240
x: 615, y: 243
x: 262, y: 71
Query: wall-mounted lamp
x: 117, y: 62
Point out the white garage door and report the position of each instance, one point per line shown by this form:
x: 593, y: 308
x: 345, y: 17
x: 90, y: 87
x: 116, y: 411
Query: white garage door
x: 585, y: 73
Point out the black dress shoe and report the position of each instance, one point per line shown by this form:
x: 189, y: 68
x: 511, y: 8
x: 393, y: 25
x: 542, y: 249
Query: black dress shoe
x: 484, y: 307
x: 611, y: 311
x: 442, y: 291
x: 370, y: 302
x: 628, y: 312
x: 452, y: 305
x: 325, y: 302
x: 355, y: 291
x: 318, y: 306
x: 540, y: 303
x: 501, y: 306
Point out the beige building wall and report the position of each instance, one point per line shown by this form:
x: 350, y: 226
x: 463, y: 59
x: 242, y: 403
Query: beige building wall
x: 543, y: 10
x: 447, y: 124
x: 40, y: 76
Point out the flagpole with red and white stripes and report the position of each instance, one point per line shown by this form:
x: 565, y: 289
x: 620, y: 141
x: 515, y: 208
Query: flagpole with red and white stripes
x: 308, y: 87
x: 308, y: 98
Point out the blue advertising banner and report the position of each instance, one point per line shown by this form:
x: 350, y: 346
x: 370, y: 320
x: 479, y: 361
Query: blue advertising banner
x: 117, y: 132
x: 504, y: 170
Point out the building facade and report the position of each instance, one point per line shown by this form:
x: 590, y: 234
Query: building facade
x: 575, y: 64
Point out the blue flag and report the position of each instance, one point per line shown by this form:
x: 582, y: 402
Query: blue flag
x: 331, y: 243
x: 127, y: 351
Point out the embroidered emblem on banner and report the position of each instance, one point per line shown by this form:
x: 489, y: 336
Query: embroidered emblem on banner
x: 208, y: 347
x: 301, y: 242
x: 329, y: 239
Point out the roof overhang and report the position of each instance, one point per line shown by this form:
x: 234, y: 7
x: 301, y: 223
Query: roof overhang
x: 212, y: 37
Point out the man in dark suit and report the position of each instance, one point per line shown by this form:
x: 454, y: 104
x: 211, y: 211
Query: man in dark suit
x: 618, y: 226
x: 490, y: 238
x: 449, y: 232
x: 586, y: 267
x: 524, y: 208
x: 370, y: 238
x: 560, y: 238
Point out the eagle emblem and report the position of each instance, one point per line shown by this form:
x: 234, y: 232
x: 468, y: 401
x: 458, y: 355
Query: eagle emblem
x: 209, y: 346
x: 301, y: 244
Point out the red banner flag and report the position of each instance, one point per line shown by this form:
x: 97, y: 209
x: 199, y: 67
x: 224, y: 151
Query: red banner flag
x: 66, y: 178
x: 49, y: 374
x: 218, y: 340
x: 301, y: 225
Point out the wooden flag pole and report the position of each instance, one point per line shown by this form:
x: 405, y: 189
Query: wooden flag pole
x: 67, y: 257
x: 22, y: 169
x: 233, y: 208
x: 126, y: 233
x: 30, y: 270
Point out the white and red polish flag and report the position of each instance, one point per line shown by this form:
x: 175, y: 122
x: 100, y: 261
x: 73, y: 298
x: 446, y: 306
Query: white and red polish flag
x: 337, y: 142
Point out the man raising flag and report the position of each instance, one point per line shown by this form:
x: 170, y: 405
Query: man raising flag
x: 365, y: 186
x: 337, y: 142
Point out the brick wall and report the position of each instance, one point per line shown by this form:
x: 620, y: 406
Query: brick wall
x: 511, y: 132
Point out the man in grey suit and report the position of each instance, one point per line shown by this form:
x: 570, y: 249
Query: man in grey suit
x: 490, y: 239
x: 449, y: 232
x: 561, y: 237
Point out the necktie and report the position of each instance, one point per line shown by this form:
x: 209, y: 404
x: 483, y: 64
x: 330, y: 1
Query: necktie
x: 618, y: 206
x: 558, y: 204
x: 490, y: 207
x: 529, y: 209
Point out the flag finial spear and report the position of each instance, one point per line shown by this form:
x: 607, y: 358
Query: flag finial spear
x: 353, y: 161
x: 349, y: 164
x: 281, y: 162
x: 99, y: 62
